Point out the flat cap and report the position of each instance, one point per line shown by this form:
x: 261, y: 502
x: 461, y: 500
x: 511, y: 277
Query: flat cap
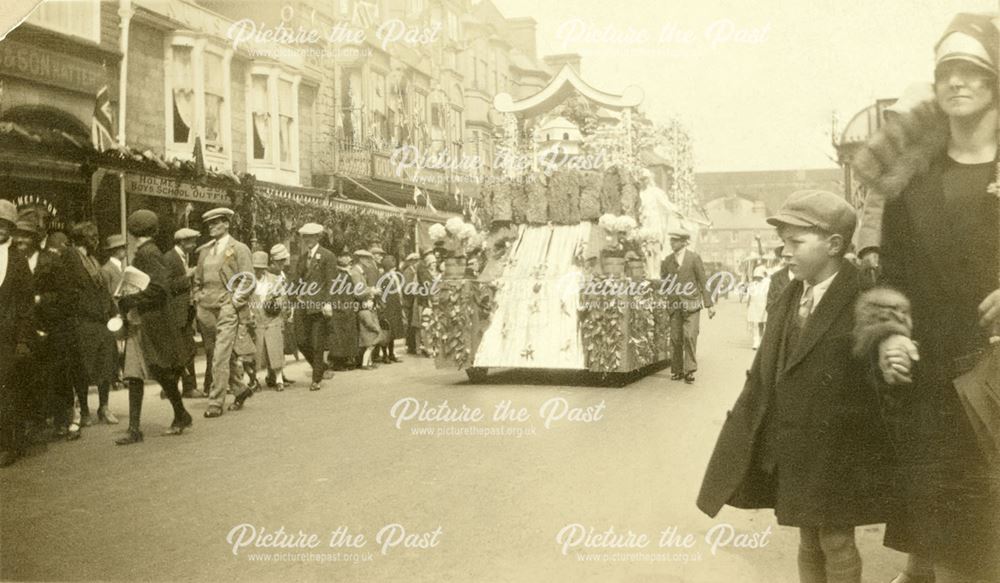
x: 412, y: 257
x: 363, y: 253
x: 679, y: 234
x: 114, y: 242
x: 8, y: 212
x: 376, y: 249
x: 259, y: 259
x: 817, y: 208
x: 185, y: 233
x: 142, y: 222
x: 311, y: 229
x: 216, y: 213
x: 279, y: 252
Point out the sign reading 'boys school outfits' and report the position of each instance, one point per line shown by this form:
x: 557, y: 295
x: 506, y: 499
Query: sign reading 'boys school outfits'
x: 171, y: 188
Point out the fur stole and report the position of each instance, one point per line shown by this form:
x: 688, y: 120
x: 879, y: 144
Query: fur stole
x: 903, y: 148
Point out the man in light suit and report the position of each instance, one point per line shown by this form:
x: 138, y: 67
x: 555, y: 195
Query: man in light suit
x: 686, y: 292
x: 222, y: 290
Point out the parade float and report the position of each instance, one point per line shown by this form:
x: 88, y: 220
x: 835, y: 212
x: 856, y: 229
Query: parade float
x: 571, y: 247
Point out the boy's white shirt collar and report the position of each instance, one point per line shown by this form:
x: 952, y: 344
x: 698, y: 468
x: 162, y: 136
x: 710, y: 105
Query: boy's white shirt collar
x: 818, y: 290
x: 679, y: 256
x: 116, y: 262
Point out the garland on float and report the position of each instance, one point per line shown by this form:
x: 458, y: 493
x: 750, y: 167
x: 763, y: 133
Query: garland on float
x: 661, y: 328
x: 602, y: 327
x: 642, y: 328
x: 450, y: 321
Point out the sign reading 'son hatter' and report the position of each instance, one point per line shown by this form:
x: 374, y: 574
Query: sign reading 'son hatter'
x: 173, y: 188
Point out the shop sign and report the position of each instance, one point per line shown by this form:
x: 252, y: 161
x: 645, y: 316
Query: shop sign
x: 41, y: 65
x: 165, y: 187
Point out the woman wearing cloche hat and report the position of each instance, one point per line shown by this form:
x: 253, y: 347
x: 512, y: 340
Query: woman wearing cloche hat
x: 932, y: 323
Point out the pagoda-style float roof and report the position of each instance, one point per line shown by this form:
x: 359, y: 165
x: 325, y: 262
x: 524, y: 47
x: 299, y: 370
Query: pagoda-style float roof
x: 565, y: 84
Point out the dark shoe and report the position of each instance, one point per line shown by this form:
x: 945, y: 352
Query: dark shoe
x: 689, y: 378
x: 59, y: 433
x: 315, y: 386
x: 212, y: 412
x: 193, y: 394
x: 178, y: 427
x: 238, y: 403
x: 279, y: 387
x: 254, y: 385
x: 676, y: 376
x: 73, y: 432
x: 133, y: 436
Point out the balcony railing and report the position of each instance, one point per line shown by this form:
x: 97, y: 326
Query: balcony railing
x: 360, y: 161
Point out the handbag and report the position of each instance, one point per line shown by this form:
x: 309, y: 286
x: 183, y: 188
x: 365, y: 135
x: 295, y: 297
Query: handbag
x: 979, y: 392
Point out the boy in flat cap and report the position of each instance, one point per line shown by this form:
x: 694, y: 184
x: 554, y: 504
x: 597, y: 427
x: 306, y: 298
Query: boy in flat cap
x: 222, y: 292
x: 805, y: 437
x: 940, y: 261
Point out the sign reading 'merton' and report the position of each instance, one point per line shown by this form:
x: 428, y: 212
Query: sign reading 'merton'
x: 173, y: 188
x: 42, y: 65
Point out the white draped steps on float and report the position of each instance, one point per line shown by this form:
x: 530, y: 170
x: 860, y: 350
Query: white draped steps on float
x: 536, y: 322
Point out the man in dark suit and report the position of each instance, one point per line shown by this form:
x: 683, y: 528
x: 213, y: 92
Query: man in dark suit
x: 54, y: 342
x: 16, y: 333
x: 181, y: 308
x: 314, y: 273
x: 686, y: 290
x: 162, y: 350
x: 96, y: 359
x: 409, y: 271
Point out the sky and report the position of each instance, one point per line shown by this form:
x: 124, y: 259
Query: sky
x: 756, y: 83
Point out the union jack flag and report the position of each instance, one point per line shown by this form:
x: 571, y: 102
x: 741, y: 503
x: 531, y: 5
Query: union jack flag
x: 101, y: 127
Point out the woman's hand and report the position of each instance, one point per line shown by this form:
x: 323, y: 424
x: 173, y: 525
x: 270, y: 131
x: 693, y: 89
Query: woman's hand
x: 896, y: 355
x: 989, y: 313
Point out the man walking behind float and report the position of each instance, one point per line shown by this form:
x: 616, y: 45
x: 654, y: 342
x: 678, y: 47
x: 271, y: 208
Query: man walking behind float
x: 686, y: 292
x: 222, y: 294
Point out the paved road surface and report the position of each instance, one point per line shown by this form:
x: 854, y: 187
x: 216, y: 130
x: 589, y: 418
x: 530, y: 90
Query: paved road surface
x: 334, y: 462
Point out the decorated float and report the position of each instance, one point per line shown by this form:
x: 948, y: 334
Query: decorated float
x: 570, y: 234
